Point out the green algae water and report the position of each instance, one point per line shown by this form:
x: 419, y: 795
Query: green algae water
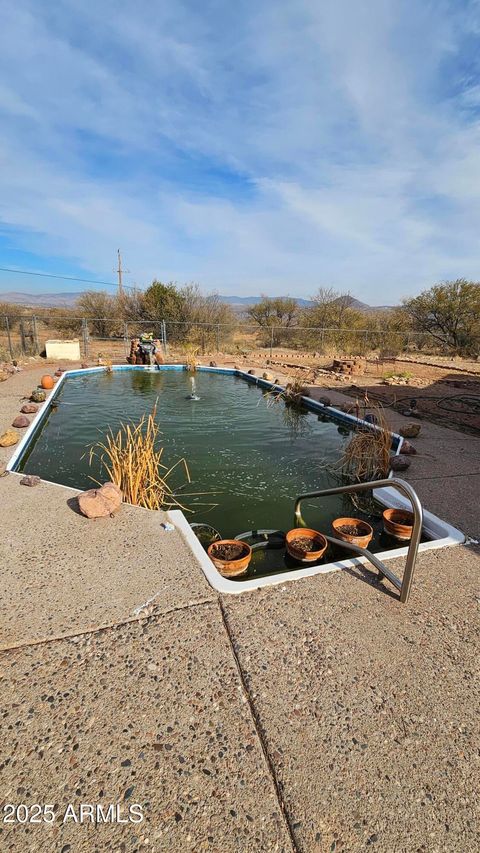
x: 251, y: 455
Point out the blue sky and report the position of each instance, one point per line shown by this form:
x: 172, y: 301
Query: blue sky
x: 251, y: 147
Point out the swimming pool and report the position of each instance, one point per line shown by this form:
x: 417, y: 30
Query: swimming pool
x: 249, y: 456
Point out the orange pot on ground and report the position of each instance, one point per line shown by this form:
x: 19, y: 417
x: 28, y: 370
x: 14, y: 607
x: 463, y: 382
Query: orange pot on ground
x: 47, y: 382
x: 294, y: 539
x: 398, y: 523
x: 363, y: 531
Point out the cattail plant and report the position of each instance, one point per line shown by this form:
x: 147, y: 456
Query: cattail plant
x: 132, y: 458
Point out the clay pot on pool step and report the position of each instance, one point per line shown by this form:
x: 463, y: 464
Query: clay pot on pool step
x: 353, y: 530
x: 305, y: 545
x: 230, y: 556
x: 398, y: 523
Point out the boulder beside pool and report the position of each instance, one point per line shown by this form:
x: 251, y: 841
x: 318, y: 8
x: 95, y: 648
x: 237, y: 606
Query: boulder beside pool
x: 20, y: 422
x: 102, y: 502
x: 9, y: 438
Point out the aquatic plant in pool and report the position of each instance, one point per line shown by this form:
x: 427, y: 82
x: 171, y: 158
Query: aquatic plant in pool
x: 132, y: 459
x: 253, y: 458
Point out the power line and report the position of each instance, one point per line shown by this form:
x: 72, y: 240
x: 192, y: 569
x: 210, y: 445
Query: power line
x: 64, y: 277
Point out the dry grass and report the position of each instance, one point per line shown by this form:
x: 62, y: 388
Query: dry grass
x: 191, y: 352
x: 295, y: 388
x: 367, y: 455
x: 133, y: 460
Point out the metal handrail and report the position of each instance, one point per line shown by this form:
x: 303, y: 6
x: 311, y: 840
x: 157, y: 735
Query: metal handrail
x: 405, y: 489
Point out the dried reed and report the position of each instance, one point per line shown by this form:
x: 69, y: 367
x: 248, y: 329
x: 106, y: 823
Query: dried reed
x: 295, y: 388
x: 133, y: 460
x: 190, y: 357
x: 367, y: 455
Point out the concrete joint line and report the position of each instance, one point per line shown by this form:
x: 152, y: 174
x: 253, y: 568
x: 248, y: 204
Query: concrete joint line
x: 259, y: 730
x: 101, y: 628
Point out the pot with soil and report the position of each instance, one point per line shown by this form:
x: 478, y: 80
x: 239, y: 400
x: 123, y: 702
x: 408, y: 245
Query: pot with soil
x: 353, y: 530
x: 398, y: 523
x: 305, y: 545
x: 230, y: 556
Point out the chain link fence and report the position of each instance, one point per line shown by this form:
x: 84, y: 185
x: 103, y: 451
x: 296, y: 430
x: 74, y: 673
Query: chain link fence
x: 110, y: 338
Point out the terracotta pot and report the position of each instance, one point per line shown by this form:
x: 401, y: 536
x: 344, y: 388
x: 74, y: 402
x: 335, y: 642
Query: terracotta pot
x: 398, y: 523
x: 230, y: 568
x: 306, y: 533
x: 362, y: 539
x: 47, y: 382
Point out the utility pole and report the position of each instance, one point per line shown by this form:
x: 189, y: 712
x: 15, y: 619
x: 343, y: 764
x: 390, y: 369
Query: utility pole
x: 119, y: 271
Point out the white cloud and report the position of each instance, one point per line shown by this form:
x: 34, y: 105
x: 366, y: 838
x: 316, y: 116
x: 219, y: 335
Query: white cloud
x: 354, y: 158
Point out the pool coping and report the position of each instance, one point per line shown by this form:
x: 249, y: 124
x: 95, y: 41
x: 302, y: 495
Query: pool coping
x: 446, y: 535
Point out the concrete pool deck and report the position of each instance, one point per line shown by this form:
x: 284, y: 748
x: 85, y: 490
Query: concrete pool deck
x: 320, y: 715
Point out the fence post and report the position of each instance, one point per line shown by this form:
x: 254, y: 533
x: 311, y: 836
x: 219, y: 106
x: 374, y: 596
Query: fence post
x: 218, y: 338
x: 271, y: 341
x: 203, y: 341
x: 164, y: 327
x: 125, y: 339
x: 7, y: 326
x: 35, y: 335
x: 22, y: 338
x: 85, y: 337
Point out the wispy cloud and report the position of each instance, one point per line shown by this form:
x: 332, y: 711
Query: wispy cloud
x: 275, y: 146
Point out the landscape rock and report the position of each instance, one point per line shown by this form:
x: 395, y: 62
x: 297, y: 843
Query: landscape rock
x: 99, y: 503
x: 267, y: 376
x: 38, y: 395
x: 251, y: 372
x: 410, y: 430
x: 30, y: 480
x: 399, y: 463
x: 408, y: 448
x: 326, y: 401
x: 29, y: 409
x: 20, y: 422
x: 3, y: 375
x: 9, y: 438
x: 213, y: 364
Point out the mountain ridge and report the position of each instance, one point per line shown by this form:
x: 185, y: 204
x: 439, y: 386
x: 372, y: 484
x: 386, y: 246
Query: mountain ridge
x: 68, y: 299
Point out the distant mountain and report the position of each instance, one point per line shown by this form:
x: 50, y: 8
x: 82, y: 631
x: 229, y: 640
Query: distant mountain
x: 238, y: 303
x: 357, y: 305
x: 41, y: 300
x: 254, y: 300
